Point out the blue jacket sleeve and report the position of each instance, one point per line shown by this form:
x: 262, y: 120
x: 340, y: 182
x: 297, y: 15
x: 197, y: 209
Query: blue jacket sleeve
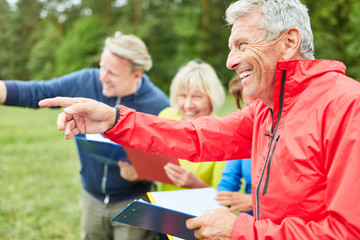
x: 233, y: 172
x: 82, y: 83
x: 231, y: 178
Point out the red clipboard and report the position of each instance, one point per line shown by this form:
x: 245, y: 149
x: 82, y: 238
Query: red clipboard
x: 150, y: 166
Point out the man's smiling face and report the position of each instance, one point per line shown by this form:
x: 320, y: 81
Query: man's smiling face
x: 253, y: 56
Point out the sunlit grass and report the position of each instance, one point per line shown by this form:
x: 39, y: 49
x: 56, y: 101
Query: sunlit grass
x: 39, y: 179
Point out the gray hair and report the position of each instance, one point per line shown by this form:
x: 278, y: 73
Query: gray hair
x: 278, y: 16
x: 132, y: 48
x: 198, y: 75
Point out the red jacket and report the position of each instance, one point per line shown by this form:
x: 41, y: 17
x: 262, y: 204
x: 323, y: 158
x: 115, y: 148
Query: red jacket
x: 305, y: 153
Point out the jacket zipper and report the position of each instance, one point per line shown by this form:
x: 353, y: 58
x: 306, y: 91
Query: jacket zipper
x: 103, y: 184
x: 268, y: 166
x: 270, y: 156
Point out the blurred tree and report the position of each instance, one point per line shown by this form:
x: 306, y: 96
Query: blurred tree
x: 62, y: 13
x: 18, y: 30
x: 38, y: 37
x: 81, y: 46
x: 5, y: 36
x: 336, y: 27
x: 42, y: 61
x: 178, y: 31
x: 102, y: 9
x: 4, y: 13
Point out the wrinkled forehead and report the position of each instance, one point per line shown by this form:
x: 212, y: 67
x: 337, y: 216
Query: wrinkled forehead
x: 248, y: 24
x: 250, y: 21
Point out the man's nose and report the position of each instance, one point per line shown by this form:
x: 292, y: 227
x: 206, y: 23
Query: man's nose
x: 232, y: 61
x: 103, y: 76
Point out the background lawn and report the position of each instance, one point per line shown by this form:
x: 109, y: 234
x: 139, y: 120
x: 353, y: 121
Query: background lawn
x: 39, y: 180
x: 39, y: 176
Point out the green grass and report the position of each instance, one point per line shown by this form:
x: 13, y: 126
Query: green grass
x: 39, y: 176
x: 228, y: 107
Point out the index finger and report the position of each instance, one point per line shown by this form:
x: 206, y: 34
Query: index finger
x: 62, y: 101
x: 172, y: 166
x: 193, y: 223
x: 224, y: 193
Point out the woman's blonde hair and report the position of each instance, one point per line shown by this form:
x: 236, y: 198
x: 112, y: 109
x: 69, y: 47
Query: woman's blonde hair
x: 199, y: 75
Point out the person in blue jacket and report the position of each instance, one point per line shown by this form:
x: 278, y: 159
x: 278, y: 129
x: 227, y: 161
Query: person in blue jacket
x: 235, y: 170
x: 120, y: 79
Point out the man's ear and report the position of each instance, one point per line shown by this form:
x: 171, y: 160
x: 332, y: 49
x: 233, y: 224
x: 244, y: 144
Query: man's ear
x: 138, y: 74
x: 291, y: 44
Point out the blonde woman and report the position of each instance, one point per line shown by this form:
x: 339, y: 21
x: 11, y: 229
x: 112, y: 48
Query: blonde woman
x: 195, y: 92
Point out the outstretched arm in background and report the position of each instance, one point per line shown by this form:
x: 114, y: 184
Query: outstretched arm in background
x: 3, y: 92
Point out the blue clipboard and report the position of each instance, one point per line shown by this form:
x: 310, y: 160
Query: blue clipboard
x: 105, y: 152
x: 156, y: 218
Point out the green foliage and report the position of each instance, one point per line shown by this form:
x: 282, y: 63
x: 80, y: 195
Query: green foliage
x: 42, y: 61
x: 18, y: 37
x: 336, y: 27
x: 81, y: 46
x: 184, y: 32
x: 68, y: 37
x: 175, y: 32
x: 4, y: 35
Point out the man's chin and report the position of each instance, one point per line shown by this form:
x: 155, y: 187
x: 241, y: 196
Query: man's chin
x: 108, y: 93
x: 248, y: 92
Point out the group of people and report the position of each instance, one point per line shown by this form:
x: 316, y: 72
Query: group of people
x: 300, y: 128
x: 119, y: 79
x: 107, y: 188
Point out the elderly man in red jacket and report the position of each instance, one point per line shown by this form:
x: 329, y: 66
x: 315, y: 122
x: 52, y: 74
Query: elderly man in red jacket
x: 302, y: 134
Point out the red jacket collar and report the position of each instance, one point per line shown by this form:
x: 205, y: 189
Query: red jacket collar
x: 298, y: 76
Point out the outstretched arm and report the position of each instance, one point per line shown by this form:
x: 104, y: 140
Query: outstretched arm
x: 3, y: 92
x: 81, y: 115
x: 193, y: 141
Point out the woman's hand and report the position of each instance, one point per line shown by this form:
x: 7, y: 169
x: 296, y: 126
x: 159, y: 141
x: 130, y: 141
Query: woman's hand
x: 237, y: 201
x: 183, y: 177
